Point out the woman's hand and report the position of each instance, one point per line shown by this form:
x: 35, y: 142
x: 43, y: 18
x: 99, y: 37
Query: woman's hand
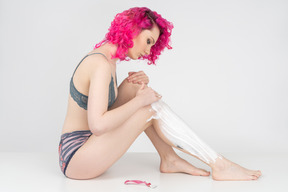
x: 147, y: 95
x: 138, y: 78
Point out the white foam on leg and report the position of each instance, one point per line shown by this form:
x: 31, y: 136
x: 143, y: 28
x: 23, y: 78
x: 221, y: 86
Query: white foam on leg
x: 180, y: 134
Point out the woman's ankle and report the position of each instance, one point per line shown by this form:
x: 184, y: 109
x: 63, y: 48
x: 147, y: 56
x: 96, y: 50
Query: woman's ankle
x: 168, y: 156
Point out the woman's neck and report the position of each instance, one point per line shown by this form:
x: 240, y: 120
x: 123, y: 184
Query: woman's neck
x: 108, y: 50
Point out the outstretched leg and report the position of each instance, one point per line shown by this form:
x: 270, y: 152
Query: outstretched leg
x: 177, y: 133
x: 170, y: 161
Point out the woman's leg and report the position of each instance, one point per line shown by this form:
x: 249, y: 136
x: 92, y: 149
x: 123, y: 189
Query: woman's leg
x: 222, y: 168
x: 178, y: 134
x: 100, y: 152
x: 170, y: 161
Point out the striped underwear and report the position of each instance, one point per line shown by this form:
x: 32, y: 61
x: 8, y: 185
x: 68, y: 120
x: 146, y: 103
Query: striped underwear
x: 69, y: 144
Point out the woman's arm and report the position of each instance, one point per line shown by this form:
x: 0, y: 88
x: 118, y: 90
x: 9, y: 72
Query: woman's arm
x: 99, y: 119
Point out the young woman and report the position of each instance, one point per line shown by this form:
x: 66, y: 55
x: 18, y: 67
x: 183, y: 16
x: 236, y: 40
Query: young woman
x: 99, y: 130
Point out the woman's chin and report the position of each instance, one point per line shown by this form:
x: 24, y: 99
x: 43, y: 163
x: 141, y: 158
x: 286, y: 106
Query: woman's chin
x: 140, y: 57
x: 135, y: 58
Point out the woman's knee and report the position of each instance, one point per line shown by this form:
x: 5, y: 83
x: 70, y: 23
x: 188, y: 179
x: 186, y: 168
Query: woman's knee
x: 147, y: 113
x: 128, y: 90
x: 132, y: 87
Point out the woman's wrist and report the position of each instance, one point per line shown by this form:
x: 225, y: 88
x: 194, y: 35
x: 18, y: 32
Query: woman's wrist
x: 138, y: 102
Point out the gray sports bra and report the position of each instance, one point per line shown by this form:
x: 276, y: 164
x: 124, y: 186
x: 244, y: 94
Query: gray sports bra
x: 82, y: 99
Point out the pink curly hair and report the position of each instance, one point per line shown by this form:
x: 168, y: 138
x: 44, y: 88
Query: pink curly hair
x: 129, y: 23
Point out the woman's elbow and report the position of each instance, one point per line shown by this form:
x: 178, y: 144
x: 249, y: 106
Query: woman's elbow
x: 97, y: 129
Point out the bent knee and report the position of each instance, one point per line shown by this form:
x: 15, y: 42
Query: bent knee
x: 128, y: 88
x: 130, y: 85
x: 148, y: 113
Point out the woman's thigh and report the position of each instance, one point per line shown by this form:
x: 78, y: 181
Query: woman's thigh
x: 101, y: 152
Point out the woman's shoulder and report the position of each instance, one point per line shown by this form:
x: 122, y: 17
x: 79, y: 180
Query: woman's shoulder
x: 96, y: 62
x: 97, y: 58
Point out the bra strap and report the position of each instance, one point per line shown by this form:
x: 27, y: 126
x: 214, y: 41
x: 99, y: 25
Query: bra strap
x: 84, y: 58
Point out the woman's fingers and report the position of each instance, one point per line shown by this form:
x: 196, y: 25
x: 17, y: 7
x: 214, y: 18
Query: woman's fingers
x: 139, y: 80
x: 142, y: 86
x: 147, y: 95
x: 138, y: 77
x: 158, y: 95
x: 131, y: 73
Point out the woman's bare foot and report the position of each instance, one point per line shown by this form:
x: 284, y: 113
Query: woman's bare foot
x: 225, y: 170
x: 177, y: 165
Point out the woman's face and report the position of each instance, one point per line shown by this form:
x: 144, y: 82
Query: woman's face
x: 143, y: 42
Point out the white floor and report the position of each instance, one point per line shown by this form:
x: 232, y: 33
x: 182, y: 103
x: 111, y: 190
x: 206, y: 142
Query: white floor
x: 40, y: 172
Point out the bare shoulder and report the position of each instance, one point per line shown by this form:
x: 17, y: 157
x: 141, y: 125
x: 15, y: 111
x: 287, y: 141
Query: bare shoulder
x: 97, y: 63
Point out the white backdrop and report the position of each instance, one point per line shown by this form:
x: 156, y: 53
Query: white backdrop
x: 226, y: 75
